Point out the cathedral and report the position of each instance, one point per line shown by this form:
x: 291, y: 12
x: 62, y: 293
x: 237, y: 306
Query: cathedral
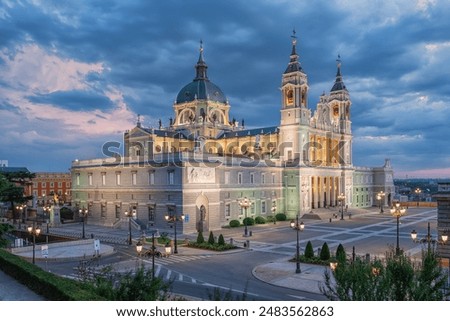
x: 201, y: 166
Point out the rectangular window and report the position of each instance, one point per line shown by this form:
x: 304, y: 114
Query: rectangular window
x: 273, y: 178
x: 227, y: 210
x: 117, y: 211
x: 134, y: 178
x: 263, y: 178
x: 151, y: 213
x: 239, y: 178
x: 59, y: 184
x: 252, y: 208
x: 90, y: 179
x: 103, y: 210
x: 68, y: 184
x: 44, y: 185
x: 151, y: 177
x: 118, y: 178
x: 227, y: 177
x: 103, y: 178
x: 51, y: 184
x: 252, y: 178
x: 170, y: 177
x: 263, y: 207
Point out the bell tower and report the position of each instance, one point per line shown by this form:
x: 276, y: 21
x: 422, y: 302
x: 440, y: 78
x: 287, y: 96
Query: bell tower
x: 295, y: 114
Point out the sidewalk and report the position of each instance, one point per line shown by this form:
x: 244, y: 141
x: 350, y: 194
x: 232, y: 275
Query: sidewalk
x: 282, y: 273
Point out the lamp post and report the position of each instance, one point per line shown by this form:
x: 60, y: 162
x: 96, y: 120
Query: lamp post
x: 298, y: 227
x: 429, y: 238
x: 245, y: 203
x: 155, y: 233
x: 35, y: 231
x: 341, y: 199
x: 274, y: 209
x: 380, y: 196
x: 397, y: 210
x: 46, y: 210
x: 20, y: 208
x: 83, y: 213
x: 139, y: 251
x: 174, y: 219
x: 418, y: 191
x: 129, y: 214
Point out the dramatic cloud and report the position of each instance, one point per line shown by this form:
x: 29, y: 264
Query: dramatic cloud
x: 75, y: 74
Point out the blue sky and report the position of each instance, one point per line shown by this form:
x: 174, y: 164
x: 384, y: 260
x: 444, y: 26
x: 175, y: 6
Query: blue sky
x: 74, y: 74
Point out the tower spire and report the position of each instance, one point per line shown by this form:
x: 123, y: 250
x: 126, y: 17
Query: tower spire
x: 201, y: 65
x: 338, y: 83
x: 294, y: 64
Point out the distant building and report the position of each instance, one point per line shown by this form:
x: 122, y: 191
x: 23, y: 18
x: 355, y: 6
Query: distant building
x: 204, y: 161
x: 46, y: 185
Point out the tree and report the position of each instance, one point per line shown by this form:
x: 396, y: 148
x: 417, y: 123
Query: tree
x: 132, y: 286
x: 341, y: 256
x: 396, y: 279
x: 325, y: 252
x: 309, y: 251
x: 4, y: 228
x: 211, y: 238
x: 12, y: 188
x: 200, y: 238
x: 221, y: 240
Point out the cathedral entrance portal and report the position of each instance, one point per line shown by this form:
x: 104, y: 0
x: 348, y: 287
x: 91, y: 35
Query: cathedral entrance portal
x: 202, y: 220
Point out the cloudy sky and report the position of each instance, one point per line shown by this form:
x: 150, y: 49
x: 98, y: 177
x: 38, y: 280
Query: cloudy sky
x: 74, y: 74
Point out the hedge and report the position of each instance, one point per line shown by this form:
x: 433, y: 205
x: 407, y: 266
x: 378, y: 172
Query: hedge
x: 50, y: 286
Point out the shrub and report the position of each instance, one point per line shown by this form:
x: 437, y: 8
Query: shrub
x: 281, y: 217
x: 325, y: 252
x: 309, y: 251
x: 200, y: 238
x: 249, y: 221
x: 235, y: 223
x: 260, y: 220
x: 211, y: 238
x: 271, y: 219
x: 341, y: 256
x: 221, y: 240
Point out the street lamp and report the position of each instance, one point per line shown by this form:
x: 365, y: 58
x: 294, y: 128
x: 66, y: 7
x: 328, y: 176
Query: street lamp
x: 83, y: 213
x: 380, y: 196
x: 155, y: 233
x: 245, y: 203
x: 397, y: 211
x: 174, y: 219
x: 139, y: 247
x: 341, y: 199
x: 418, y: 191
x: 298, y: 227
x: 129, y: 214
x: 429, y: 238
x: 21, y: 209
x: 35, y: 231
x: 274, y: 209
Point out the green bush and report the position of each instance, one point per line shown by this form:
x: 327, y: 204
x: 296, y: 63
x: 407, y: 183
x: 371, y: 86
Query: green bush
x: 325, y: 252
x: 341, y: 256
x: 221, y: 240
x: 50, y: 286
x: 213, y: 247
x: 211, y: 238
x: 271, y: 219
x: 248, y: 221
x: 281, y: 217
x: 309, y: 251
x: 200, y: 238
x: 235, y: 223
x: 260, y: 220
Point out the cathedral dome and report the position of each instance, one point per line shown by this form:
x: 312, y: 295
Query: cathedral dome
x: 201, y: 87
